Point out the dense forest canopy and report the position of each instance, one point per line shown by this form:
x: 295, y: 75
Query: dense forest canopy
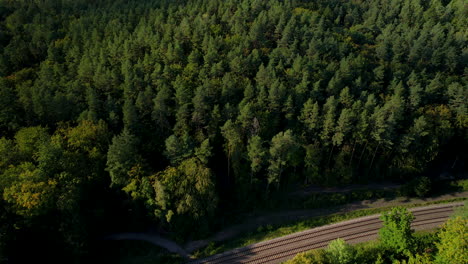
x: 175, y: 109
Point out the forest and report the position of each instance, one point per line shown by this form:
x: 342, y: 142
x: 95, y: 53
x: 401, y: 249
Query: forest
x: 118, y: 115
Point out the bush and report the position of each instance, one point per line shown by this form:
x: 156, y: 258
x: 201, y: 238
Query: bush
x: 416, y: 259
x: 318, y: 256
x: 453, y: 245
x: 339, y: 252
x: 396, y: 233
x: 312, y: 257
x: 369, y: 252
x: 422, y: 186
x: 461, y: 185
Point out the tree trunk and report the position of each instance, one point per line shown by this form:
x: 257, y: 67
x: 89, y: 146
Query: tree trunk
x: 279, y: 176
x: 372, y: 161
x: 362, y: 154
x: 329, y: 156
x: 229, y: 166
x: 352, y: 152
x: 251, y: 177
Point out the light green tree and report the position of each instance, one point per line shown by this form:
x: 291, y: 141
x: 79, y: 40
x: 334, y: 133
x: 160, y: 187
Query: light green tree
x: 416, y: 259
x: 396, y: 233
x: 453, y: 245
x: 339, y: 252
x: 283, y: 153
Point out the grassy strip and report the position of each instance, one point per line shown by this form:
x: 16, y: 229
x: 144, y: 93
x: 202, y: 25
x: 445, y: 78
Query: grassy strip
x: 269, y: 232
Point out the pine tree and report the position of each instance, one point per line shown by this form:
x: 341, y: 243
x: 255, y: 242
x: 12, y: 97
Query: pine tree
x: 121, y: 157
x: 344, y: 126
x: 257, y: 154
x: 310, y: 117
x: 329, y: 110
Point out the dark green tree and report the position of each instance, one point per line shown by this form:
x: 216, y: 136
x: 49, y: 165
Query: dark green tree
x: 121, y: 157
x: 257, y: 154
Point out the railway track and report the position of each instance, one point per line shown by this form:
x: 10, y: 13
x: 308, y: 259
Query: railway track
x: 354, y: 231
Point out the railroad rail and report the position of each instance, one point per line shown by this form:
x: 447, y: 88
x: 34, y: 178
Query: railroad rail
x: 353, y: 231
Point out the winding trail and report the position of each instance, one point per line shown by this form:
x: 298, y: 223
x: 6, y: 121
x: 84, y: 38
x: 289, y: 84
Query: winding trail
x: 171, y: 246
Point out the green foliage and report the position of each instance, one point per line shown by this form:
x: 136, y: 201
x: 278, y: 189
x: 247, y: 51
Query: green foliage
x: 453, y: 245
x: 339, y: 252
x: 30, y: 139
x: 284, y: 92
x: 312, y: 162
x: 417, y: 259
x: 462, y: 184
x: 233, y: 147
x: 256, y: 153
x: 28, y: 192
x: 461, y: 211
x: 284, y: 151
x: 7, y: 156
x: 396, y: 233
x: 178, y: 149
x: 314, y: 257
x: 422, y: 187
x: 121, y: 157
x: 204, y: 152
x: 185, y: 191
x: 9, y: 120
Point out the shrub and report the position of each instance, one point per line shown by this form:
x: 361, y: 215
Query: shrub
x: 339, y: 252
x: 416, y: 259
x: 318, y: 256
x: 396, y: 233
x: 453, y: 245
x: 422, y: 186
x: 369, y: 252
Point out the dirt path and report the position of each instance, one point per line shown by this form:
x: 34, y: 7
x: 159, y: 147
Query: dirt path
x: 352, y: 187
x: 159, y: 241
x: 288, y: 216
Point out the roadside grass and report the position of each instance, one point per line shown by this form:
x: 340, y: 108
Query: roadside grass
x: 273, y: 231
